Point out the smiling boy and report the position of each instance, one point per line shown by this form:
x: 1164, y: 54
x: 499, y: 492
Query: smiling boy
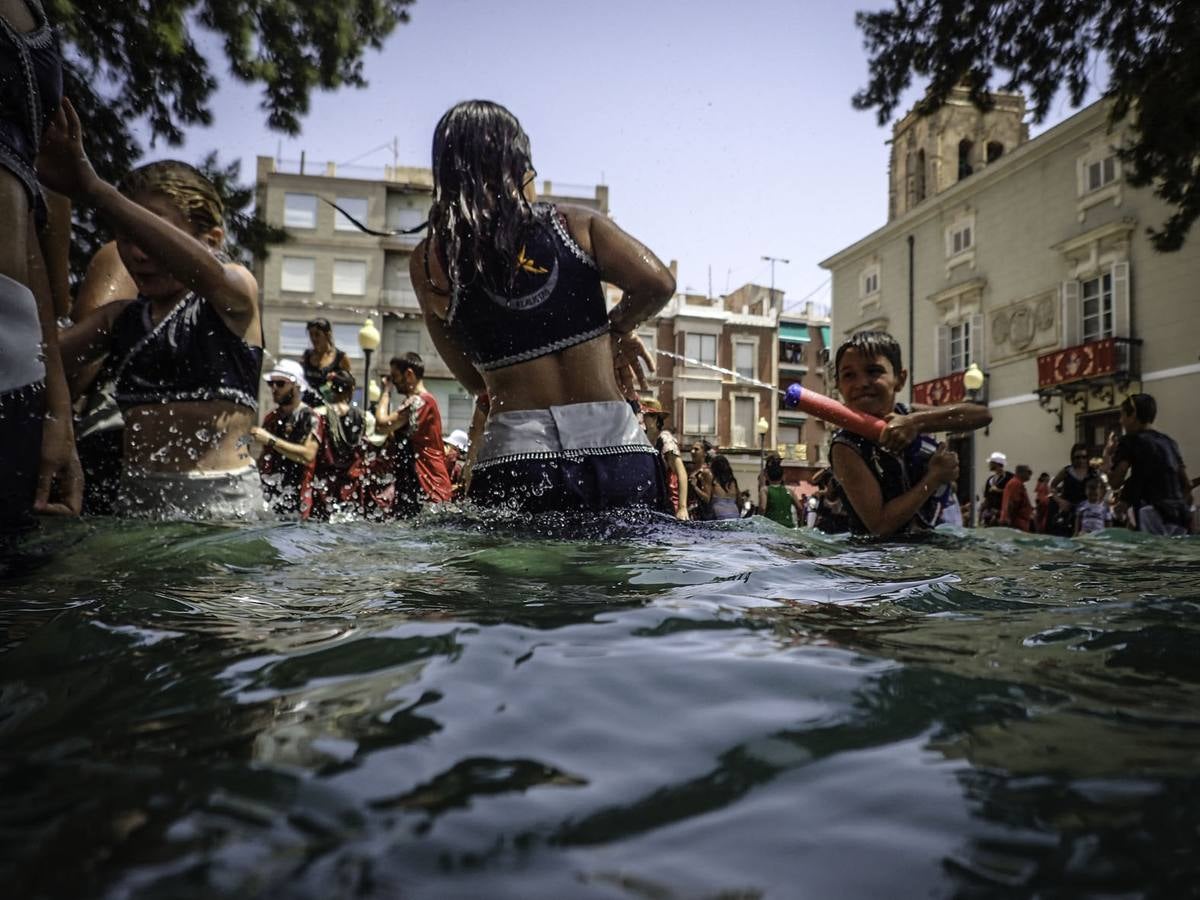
x: 892, y: 486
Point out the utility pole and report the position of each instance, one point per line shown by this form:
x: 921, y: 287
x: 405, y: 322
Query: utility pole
x: 772, y: 260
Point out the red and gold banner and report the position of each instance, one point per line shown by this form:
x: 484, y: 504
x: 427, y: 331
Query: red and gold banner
x: 940, y: 391
x: 1089, y: 360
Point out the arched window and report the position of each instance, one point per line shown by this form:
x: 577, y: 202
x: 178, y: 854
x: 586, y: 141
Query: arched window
x: 964, y: 158
x: 995, y: 150
x: 920, y: 173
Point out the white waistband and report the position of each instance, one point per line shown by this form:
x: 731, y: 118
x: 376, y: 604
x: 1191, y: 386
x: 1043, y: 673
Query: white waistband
x: 575, y: 430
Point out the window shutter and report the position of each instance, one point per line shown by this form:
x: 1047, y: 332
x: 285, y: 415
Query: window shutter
x: 941, y: 358
x: 976, y: 355
x: 1070, y: 314
x: 1121, y: 313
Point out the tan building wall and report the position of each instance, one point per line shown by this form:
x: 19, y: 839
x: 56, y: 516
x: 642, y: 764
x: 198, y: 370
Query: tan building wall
x: 1043, y: 225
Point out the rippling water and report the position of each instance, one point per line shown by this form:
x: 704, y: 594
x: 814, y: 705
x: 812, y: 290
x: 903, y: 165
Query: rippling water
x: 460, y: 708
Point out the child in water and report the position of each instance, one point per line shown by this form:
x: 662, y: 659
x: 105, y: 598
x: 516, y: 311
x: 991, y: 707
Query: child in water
x: 1092, y: 514
x: 893, y: 486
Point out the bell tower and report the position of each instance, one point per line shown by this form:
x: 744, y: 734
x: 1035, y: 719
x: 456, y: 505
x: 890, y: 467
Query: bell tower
x: 933, y: 152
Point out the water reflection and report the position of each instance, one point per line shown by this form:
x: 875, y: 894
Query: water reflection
x: 459, y: 707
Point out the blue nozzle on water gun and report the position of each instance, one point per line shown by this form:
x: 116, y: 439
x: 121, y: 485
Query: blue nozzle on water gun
x: 791, y: 397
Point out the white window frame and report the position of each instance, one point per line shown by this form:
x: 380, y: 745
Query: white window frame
x: 308, y: 285
x: 1096, y: 324
x: 1074, y: 319
x: 868, y: 282
x: 401, y: 215
x: 965, y: 331
x: 699, y: 405
x: 293, y: 338
x: 698, y: 354
x: 340, y: 285
x: 649, y: 338
x: 359, y: 207
x: 297, y: 217
x: 741, y: 340
x: 751, y: 436
x: 345, y: 338
x: 1101, y: 152
x: 960, y: 237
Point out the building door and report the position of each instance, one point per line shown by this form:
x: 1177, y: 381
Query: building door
x: 1094, y: 428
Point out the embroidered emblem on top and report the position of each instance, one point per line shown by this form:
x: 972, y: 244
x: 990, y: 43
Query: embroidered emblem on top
x: 528, y: 301
x: 528, y: 265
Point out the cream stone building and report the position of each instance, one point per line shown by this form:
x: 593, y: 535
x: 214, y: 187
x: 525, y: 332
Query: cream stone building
x: 329, y: 268
x: 1029, y: 258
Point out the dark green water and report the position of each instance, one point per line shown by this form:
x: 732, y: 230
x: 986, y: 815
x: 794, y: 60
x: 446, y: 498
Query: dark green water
x: 457, y: 709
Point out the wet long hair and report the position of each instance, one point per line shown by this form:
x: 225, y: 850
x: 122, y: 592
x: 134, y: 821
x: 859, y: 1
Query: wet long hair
x: 185, y: 186
x: 722, y: 472
x: 479, y: 214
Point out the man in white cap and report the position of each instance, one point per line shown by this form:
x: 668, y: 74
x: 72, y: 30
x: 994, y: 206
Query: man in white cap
x: 290, y: 435
x: 455, y: 445
x: 993, y: 490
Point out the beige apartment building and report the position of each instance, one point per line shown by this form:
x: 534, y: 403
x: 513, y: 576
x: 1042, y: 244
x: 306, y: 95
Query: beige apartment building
x: 329, y: 268
x: 1029, y: 258
x: 804, y: 339
x: 737, y: 332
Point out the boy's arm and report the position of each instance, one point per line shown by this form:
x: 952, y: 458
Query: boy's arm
x: 863, y: 493
x: 903, y: 430
x: 681, y: 474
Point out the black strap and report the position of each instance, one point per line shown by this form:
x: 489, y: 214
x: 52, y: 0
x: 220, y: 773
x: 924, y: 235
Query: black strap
x: 365, y: 230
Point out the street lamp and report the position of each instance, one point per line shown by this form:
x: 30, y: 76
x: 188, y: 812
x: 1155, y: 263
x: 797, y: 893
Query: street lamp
x: 762, y: 428
x: 368, y: 340
x: 973, y: 380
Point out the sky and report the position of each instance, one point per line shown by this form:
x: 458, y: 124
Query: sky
x: 724, y: 131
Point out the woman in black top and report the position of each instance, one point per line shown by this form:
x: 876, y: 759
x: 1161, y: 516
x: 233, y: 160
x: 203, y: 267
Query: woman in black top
x: 322, y: 357
x: 1069, y: 490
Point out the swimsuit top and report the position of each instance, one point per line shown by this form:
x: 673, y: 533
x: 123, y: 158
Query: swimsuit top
x: 896, y: 474
x: 315, y: 375
x: 190, y: 355
x: 30, y: 92
x: 556, y: 301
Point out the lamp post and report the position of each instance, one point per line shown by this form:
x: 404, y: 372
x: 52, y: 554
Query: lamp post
x: 762, y: 428
x: 368, y: 340
x: 973, y: 380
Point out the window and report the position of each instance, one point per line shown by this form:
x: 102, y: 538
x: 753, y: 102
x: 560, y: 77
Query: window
x: 298, y: 274
x: 650, y: 339
x: 293, y: 338
x: 406, y: 342
x: 743, y: 358
x: 1101, y: 172
x: 744, y: 420
x: 702, y: 348
x: 356, y: 206
x: 1096, y: 307
x: 299, y: 211
x: 790, y: 434
x: 920, y: 180
x: 345, y: 337
x: 459, y: 411
x: 958, y: 345
x: 995, y: 150
x: 700, y: 416
x: 402, y: 213
x: 960, y: 239
x: 965, y: 147
x: 350, y: 277
x: 870, y: 282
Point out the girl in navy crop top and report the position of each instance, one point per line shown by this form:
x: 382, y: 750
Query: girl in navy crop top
x: 187, y: 352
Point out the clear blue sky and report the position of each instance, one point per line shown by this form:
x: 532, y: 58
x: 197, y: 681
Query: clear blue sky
x: 724, y: 131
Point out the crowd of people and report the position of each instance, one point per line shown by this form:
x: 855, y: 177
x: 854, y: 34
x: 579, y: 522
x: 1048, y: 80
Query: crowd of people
x: 147, y: 404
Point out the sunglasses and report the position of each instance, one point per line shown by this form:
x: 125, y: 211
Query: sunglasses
x: 278, y: 383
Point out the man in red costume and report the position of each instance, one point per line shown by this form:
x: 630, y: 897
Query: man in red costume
x: 418, y: 419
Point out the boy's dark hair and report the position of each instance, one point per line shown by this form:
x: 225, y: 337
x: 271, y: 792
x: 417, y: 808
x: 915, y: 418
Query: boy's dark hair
x: 1095, y: 479
x: 871, y: 344
x: 410, y: 361
x: 1141, y: 406
x: 340, y: 382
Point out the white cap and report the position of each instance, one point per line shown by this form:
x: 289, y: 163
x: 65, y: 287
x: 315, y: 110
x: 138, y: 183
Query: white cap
x: 457, y: 438
x: 289, y: 370
x: 998, y: 457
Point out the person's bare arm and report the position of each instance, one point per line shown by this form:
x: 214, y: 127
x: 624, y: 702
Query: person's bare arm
x: 863, y: 492
x: 105, y: 281
x: 452, y: 354
x: 64, y: 167
x: 903, y: 430
x: 55, y: 241
x: 681, y: 512
x: 302, y: 453
x: 85, y: 344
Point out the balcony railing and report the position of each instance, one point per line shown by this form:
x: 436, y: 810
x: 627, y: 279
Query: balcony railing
x: 941, y: 391
x: 1111, y: 359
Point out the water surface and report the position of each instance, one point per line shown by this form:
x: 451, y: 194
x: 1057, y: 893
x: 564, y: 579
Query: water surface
x: 464, y: 708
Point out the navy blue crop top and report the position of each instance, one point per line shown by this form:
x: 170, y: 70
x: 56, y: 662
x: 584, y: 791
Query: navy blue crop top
x: 30, y: 92
x: 190, y: 355
x: 557, y: 301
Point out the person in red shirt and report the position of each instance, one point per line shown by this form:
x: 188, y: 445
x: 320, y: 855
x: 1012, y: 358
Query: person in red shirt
x: 417, y: 417
x: 1015, y: 509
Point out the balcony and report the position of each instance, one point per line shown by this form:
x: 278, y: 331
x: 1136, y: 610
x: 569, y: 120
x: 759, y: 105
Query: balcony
x: 941, y: 391
x: 1092, y: 369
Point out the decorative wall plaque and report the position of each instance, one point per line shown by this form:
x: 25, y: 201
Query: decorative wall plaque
x: 1024, y: 328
